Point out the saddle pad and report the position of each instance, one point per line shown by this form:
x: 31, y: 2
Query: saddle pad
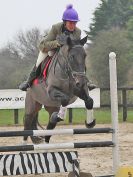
x: 36, y: 81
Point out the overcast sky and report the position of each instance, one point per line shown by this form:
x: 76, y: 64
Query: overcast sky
x: 16, y: 15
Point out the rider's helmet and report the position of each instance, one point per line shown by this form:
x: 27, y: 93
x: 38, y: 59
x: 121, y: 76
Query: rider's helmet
x: 70, y: 14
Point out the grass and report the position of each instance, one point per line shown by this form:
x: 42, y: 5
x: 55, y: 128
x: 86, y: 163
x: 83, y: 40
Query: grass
x: 103, y: 116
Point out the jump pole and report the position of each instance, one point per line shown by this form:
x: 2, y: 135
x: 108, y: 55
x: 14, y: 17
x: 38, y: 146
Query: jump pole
x: 56, y: 146
x: 55, y: 132
x: 114, y: 109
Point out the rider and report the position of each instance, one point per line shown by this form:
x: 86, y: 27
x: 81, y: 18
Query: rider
x: 50, y: 42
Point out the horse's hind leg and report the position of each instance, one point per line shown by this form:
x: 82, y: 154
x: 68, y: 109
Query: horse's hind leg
x: 30, y: 123
x: 31, y: 113
x: 52, y: 123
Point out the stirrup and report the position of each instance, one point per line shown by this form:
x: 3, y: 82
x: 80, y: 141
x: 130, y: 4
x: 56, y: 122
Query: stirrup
x: 91, y: 86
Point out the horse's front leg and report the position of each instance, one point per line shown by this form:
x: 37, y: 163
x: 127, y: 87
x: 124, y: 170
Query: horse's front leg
x: 56, y: 114
x: 84, y: 95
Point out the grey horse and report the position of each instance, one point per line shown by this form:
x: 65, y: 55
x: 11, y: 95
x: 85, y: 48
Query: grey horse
x: 65, y: 81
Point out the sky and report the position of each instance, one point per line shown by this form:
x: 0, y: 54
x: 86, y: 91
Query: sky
x: 17, y: 15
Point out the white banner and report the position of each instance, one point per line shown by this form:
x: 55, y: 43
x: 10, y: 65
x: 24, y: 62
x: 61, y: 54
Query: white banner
x: 12, y: 99
x: 15, y: 99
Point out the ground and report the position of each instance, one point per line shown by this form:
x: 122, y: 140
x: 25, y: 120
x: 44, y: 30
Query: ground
x: 97, y: 161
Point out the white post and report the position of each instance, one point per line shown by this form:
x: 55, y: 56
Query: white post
x: 114, y: 109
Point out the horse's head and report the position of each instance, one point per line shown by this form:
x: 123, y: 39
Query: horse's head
x: 74, y: 55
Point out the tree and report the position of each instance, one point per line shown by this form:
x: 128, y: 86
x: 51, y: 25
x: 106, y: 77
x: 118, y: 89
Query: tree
x: 130, y: 28
x: 25, y: 44
x: 8, y: 66
x: 105, y: 42
x: 110, y: 14
x: 18, y: 57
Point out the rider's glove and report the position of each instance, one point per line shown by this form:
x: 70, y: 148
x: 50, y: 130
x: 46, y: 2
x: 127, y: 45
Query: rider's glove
x: 58, y: 44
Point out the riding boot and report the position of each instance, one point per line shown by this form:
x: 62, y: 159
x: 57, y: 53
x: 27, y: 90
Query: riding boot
x: 26, y: 84
x: 90, y: 85
x: 34, y: 73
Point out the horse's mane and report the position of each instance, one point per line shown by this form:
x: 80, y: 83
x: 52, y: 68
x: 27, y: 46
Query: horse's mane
x: 64, y: 39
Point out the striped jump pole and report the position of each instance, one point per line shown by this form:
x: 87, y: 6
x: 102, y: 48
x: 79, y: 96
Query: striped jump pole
x: 56, y: 146
x: 55, y: 132
x: 39, y: 163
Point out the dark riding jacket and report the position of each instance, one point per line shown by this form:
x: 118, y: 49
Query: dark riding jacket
x: 49, y: 42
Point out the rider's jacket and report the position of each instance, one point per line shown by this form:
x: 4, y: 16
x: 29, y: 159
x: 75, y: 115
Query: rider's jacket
x: 49, y: 42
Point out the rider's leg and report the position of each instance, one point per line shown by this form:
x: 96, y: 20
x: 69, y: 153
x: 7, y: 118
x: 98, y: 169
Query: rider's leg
x: 41, y: 57
x: 90, y: 85
x: 32, y: 76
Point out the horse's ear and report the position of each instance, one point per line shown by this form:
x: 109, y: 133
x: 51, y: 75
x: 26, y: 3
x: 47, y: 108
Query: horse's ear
x: 69, y: 42
x: 83, y: 41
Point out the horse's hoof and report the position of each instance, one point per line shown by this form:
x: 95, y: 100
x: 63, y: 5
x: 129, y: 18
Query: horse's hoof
x: 91, y: 124
x: 37, y: 139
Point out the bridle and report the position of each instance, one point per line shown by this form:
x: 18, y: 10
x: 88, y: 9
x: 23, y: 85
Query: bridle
x: 68, y: 69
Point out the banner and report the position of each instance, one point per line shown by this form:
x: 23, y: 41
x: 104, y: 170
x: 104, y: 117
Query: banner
x: 12, y: 99
x: 15, y: 99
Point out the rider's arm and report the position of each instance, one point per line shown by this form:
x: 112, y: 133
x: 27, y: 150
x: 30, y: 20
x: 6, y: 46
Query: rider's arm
x: 50, y: 42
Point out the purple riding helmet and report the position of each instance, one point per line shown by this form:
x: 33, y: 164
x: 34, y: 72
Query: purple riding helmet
x: 70, y: 14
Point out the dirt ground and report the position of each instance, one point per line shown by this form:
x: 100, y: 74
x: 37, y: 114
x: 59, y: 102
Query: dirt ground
x: 97, y: 161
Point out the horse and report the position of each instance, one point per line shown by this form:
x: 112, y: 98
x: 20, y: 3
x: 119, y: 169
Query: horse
x: 65, y: 82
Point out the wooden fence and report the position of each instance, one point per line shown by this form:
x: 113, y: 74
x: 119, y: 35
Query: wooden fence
x: 123, y: 103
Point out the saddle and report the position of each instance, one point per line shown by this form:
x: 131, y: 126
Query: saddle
x: 42, y: 70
